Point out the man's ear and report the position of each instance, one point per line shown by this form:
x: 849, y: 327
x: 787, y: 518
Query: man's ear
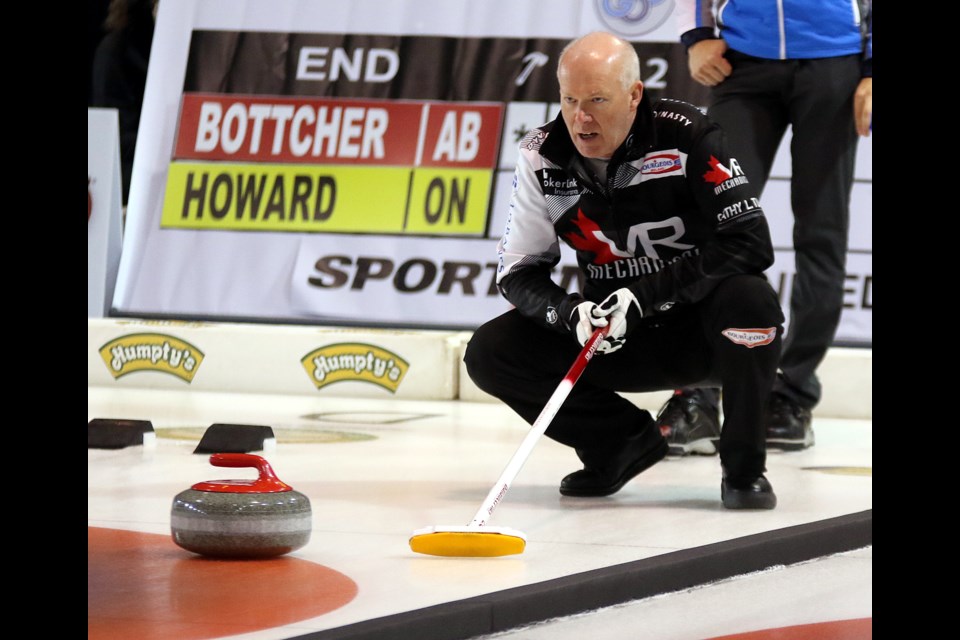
x: 636, y: 95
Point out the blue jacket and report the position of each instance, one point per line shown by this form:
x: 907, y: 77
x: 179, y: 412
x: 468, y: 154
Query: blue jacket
x: 782, y: 29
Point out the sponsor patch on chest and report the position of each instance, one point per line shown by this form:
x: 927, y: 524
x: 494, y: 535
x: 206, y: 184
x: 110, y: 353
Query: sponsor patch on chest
x: 554, y: 182
x: 661, y: 163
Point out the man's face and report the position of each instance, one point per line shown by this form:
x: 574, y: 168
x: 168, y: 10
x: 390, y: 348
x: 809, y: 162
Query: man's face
x: 596, y: 107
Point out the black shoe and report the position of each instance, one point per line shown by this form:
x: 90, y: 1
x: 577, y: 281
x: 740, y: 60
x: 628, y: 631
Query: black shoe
x: 788, y: 425
x: 690, y: 422
x: 753, y: 493
x: 639, y: 454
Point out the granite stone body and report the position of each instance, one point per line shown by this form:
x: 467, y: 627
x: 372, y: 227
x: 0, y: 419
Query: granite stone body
x: 241, y: 518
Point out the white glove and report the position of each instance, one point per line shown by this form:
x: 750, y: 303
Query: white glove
x: 586, y: 319
x: 623, y: 310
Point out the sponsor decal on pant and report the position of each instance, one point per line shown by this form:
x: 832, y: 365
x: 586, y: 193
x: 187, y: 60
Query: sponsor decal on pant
x: 750, y: 338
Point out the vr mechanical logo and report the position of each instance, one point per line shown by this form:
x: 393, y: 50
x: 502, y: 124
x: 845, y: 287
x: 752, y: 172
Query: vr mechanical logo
x: 642, y: 240
x: 723, y: 178
x: 633, y: 17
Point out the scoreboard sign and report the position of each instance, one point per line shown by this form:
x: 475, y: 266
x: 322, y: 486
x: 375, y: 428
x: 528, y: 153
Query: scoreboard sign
x: 258, y: 163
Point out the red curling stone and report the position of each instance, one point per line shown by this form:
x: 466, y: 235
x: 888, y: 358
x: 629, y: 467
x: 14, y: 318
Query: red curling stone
x: 257, y: 518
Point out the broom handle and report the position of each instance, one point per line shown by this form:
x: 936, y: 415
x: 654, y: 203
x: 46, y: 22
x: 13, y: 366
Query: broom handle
x: 539, y: 427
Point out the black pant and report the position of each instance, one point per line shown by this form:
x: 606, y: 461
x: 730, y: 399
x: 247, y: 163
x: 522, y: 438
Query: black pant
x: 755, y: 105
x: 522, y: 363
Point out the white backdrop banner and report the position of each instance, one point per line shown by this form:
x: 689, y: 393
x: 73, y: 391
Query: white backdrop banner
x: 350, y: 162
x: 104, y: 209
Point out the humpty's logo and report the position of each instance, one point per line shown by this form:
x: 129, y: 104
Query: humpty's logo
x: 151, y: 352
x: 355, y: 361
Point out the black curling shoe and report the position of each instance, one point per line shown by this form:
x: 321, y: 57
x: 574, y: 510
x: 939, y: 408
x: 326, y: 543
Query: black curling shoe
x: 747, y: 494
x: 639, y: 454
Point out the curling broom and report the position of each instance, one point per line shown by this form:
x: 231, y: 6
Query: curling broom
x: 476, y: 539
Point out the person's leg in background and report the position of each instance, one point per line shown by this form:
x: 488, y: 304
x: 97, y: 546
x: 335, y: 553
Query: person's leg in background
x: 823, y: 152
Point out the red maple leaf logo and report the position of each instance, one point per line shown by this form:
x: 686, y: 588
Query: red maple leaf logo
x: 717, y: 173
x: 587, y: 240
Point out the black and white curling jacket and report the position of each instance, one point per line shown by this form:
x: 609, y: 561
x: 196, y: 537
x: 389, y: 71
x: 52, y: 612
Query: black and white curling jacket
x: 675, y: 216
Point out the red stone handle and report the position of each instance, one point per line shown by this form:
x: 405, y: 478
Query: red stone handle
x: 267, y: 482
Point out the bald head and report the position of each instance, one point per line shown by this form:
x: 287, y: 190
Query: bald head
x: 600, y: 90
x: 604, y: 51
